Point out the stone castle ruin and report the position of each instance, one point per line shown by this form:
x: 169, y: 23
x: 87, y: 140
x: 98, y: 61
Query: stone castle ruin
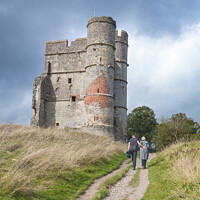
x: 84, y: 85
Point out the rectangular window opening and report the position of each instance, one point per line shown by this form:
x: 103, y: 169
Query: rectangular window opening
x: 73, y: 98
x: 49, y: 68
x: 97, y: 90
x: 57, y: 124
x: 69, y: 80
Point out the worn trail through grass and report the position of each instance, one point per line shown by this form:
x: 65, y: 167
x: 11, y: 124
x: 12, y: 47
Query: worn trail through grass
x: 93, y: 189
x: 123, y: 188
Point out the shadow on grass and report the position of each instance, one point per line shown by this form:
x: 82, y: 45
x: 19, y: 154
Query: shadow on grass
x: 155, y: 163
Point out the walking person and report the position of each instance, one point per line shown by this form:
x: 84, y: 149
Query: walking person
x: 144, y: 153
x: 132, y: 147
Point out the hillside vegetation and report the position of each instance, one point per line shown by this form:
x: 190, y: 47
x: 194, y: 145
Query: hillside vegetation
x: 175, y: 173
x: 52, y: 163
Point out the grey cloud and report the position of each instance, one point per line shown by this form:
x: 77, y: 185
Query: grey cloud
x: 159, y: 17
x: 166, y: 74
x: 26, y: 25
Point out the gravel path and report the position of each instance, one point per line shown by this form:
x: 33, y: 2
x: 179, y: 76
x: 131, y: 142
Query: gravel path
x: 140, y: 190
x: 123, y: 189
x: 93, y: 189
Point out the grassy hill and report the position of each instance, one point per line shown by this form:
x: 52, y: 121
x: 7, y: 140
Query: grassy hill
x: 175, y: 173
x: 56, y: 164
x: 52, y: 163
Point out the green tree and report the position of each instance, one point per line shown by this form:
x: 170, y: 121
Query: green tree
x: 142, y: 122
x: 175, y: 129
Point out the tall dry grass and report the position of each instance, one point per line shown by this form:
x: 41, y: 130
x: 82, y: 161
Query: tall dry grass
x: 185, y: 168
x: 45, y: 151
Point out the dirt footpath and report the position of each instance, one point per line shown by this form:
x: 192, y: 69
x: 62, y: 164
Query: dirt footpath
x: 122, y: 189
x: 93, y: 189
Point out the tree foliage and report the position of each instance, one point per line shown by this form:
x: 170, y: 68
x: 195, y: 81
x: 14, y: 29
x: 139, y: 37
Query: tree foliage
x: 175, y: 129
x: 142, y: 122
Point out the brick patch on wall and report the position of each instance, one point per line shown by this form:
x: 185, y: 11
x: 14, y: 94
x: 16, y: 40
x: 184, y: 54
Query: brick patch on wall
x: 99, y: 85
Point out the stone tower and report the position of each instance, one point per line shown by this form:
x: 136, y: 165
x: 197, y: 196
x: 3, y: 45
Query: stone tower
x: 99, y: 97
x: 84, y: 86
x: 120, y: 84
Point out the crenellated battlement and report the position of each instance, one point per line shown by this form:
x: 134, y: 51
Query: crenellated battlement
x: 121, y: 38
x: 61, y: 46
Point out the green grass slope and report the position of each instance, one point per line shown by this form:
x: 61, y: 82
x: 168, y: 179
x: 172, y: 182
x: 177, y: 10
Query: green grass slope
x: 53, y: 163
x: 175, y: 173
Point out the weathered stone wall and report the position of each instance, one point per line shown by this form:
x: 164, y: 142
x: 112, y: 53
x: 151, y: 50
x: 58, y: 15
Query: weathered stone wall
x: 65, y: 59
x: 84, y: 85
x: 67, y: 111
x: 38, y: 103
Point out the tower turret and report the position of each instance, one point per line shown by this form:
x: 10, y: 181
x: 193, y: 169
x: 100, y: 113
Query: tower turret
x: 120, y: 86
x: 99, y: 99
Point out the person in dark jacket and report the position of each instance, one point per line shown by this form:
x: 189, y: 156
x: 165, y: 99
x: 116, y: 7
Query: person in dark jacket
x: 132, y: 147
x: 144, y: 153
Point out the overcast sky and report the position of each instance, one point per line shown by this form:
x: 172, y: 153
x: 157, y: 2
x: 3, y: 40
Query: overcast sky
x: 164, y: 50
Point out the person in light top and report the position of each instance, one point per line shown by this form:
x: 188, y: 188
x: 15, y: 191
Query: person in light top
x: 144, y: 152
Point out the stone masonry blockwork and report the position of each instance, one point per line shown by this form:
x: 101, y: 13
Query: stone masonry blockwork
x: 84, y: 86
